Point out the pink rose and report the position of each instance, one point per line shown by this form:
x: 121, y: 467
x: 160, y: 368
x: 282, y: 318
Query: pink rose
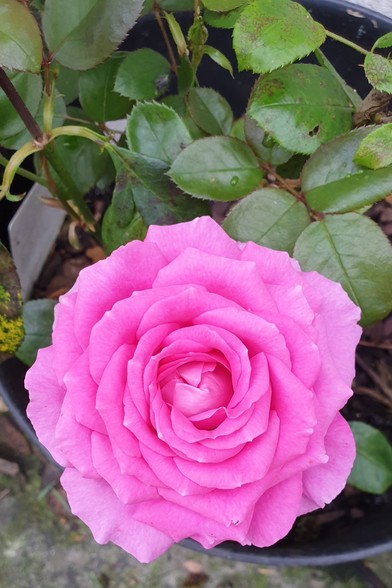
x: 192, y: 390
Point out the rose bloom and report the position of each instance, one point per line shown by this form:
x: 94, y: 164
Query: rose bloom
x: 192, y: 390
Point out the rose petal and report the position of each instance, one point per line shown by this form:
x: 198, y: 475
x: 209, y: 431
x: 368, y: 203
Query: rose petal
x: 275, y: 512
x: 66, y: 348
x: 82, y: 392
x: 46, y: 399
x: 323, y: 483
x: 236, y: 280
x: 128, y: 488
x: 109, y: 519
x: 131, y: 267
x: 249, y: 465
x: 336, y: 324
x: 201, y: 233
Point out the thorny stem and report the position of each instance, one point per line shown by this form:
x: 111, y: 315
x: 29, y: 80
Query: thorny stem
x: 25, y: 173
x: 21, y: 108
x: 157, y: 14
x: 269, y: 169
x: 347, y: 42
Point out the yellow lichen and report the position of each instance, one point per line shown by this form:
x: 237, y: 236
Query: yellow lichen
x: 11, y: 334
x: 4, y: 295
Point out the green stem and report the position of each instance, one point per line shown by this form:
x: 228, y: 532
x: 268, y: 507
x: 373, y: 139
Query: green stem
x: 72, y: 196
x: 25, y: 173
x: 347, y: 42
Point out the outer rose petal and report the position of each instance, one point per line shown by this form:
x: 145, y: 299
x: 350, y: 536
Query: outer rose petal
x: 324, y: 482
x: 109, y: 519
x: 336, y: 323
x: 46, y: 399
x: 275, y: 512
x: 201, y: 233
x: 131, y: 267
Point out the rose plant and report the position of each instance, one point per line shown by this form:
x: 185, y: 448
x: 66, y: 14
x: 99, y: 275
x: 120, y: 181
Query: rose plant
x: 193, y: 389
x: 298, y: 168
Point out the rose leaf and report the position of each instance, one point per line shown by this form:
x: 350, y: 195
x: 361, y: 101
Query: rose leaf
x: 270, y: 217
x: 82, y: 38
x: 272, y: 33
x: 156, y: 132
x: 210, y: 111
x: 351, y: 249
x: 217, y: 168
x: 301, y: 106
x: 375, y: 150
x: 372, y: 470
x: 20, y: 38
x: 97, y: 97
x: 143, y: 75
x: 378, y: 70
x: 38, y: 316
x: 333, y: 181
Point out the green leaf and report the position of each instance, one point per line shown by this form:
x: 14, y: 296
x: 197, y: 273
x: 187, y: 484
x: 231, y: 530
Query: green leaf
x: 217, y: 168
x: 351, y: 249
x: 265, y: 147
x: 157, y: 132
x: 237, y: 130
x: 156, y: 197
x: 84, y: 159
x: 383, y: 42
x: 372, y: 471
x: 177, y: 34
x: 11, y: 323
x: 177, y: 103
x: 210, y: 111
x: 83, y: 35
x: 219, y: 58
x: 301, y: 106
x: 222, y: 20
x: 273, y: 33
x: 20, y: 38
x: 352, y: 94
x: 96, y: 93
x: 185, y: 76
x: 223, y: 5
x: 269, y: 217
x: 143, y: 75
x: 176, y: 5
x: 333, y: 182
x: 38, y: 316
x: 114, y: 235
x: 67, y: 82
x: 123, y: 206
x: 375, y: 150
x: 378, y: 70
x: 29, y: 88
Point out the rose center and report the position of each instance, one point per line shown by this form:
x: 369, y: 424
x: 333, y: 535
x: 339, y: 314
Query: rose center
x: 200, y: 390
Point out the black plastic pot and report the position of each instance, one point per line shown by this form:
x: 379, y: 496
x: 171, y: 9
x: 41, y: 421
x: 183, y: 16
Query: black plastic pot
x: 366, y: 537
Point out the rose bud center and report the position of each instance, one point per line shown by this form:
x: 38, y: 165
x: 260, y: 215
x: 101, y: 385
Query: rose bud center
x: 201, y: 390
